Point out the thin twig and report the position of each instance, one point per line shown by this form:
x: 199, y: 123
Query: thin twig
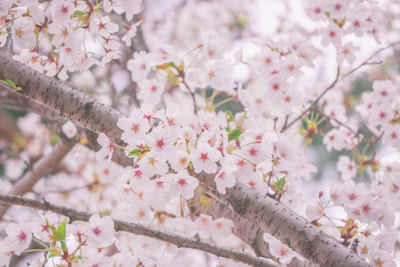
x: 313, y: 103
x: 364, y: 63
x: 191, y: 94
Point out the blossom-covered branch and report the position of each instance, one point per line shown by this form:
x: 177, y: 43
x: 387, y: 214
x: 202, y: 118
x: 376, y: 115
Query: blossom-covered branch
x: 284, y: 224
x: 140, y: 230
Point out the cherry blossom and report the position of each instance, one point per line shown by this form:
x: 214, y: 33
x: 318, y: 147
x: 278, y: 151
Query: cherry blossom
x: 204, y: 158
x: 135, y: 127
x: 107, y: 147
x: 100, y: 231
x: 279, y: 250
x: 69, y: 129
x: 18, y: 238
x: 182, y: 183
x: 131, y: 32
x: 22, y: 32
x: 346, y: 167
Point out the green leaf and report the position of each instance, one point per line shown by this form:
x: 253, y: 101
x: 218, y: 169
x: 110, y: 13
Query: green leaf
x: 54, y: 139
x: 61, y: 233
x: 78, y: 14
x: 279, y: 185
x: 136, y: 152
x: 11, y: 84
x: 61, y: 229
x: 235, y: 134
x: 229, y: 116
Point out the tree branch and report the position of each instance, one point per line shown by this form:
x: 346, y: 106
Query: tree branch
x: 41, y: 168
x: 140, y: 230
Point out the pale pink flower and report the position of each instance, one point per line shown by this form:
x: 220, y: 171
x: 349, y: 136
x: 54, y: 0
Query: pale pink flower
x: 107, y: 147
x: 22, y: 32
x: 347, y: 168
x: 352, y: 194
x: 346, y: 52
x: 139, y: 65
x: 69, y: 129
x: 131, y: 7
x: 391, y: 135
x: 32, y: 59
x: 19, y: 237
x: 316, y: 9
x: 218, y: 75
x: 131, y: 32
x: 384, y: 91
x: 138, y: 180
x: 224, y: 180
x: 314, y: 211
x: 204, y: 225
x: 100, y: 230
x: 151, y: 91
x: 332, y: 34
x: 179, y: 160
x: 204, y: 158
x: 62, y: 32
x: 61, y: 11
x: 153, y: 163
x: 157, y: 192
x: 137, y: 211
x: 102, y: 26
x: 222, y: 228
x: 182, y: 183
x: 135, y: 127
x: 279, y: 250
x: 161, y: 140
x: 112, y: 5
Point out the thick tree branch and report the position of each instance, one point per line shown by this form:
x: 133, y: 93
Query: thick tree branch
x: 138, y: 229
x: 41, y: 168
x: 268, y: 214
x: 287, y: 226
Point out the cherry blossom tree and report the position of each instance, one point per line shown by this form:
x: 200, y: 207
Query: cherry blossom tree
x: 191, y: 133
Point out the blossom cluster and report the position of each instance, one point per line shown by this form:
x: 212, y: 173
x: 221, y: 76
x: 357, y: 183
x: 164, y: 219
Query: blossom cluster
x: 57, y: 37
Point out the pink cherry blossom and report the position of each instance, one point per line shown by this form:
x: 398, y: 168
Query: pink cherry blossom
x: 18, y: 238
x: 204, y: 158
x: 182, y: 183
x: 131, y: 33
x: 135, y: 127
x: 279, y: 250
x: 107, y: 147
x: 346, y: 167
x: 100, y: 231
x: 22, y: 32
x: 69, y: 129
